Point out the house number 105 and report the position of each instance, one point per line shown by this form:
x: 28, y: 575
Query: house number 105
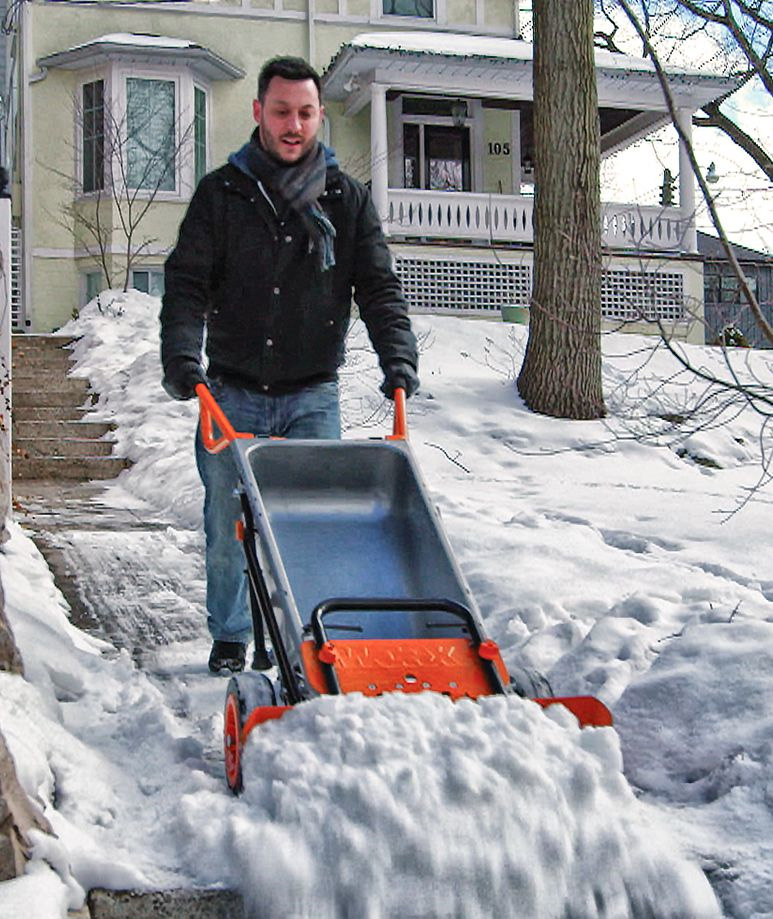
x: 497, y: 149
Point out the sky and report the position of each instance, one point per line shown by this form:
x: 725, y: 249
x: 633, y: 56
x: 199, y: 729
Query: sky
x: 627, y: 558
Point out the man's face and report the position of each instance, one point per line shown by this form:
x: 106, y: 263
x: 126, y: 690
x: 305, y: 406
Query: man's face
x: 288, y: 118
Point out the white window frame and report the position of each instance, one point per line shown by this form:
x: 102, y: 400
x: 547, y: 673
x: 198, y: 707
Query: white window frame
x: 115, y: 74
x: 198, y: 85
x: 123, y: 75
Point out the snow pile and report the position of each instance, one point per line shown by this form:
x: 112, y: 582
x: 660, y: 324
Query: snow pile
x: 422, y: 807
x: 604, y: 554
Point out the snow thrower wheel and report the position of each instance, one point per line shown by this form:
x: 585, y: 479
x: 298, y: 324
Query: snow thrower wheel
x: 246, y: 691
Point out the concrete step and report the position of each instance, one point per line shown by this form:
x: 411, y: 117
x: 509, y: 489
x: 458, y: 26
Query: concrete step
x: 28, y: 343
x: 52, y: 447
x: 41, y: 366
x: 165, y: 904
x: 64, y: 392
x: 33, y: 352
x: 51, y: 413
x: 59, y: 427
x: 49, y: 439
x: 69, y: 467
x: 35, y: 365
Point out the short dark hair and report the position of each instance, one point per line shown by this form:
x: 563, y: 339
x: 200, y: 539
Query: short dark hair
x: 289, y: 68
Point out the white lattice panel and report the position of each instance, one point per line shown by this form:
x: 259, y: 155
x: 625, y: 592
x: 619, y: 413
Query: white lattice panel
x: 631, y: 295
x: 433, y: 284
x: 440, y: 284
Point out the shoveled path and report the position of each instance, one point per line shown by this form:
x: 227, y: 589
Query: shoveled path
x: 128, y: 580
x: 124, y: 577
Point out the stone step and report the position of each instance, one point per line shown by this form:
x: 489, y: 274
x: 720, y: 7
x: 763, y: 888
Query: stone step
x: 74, y: 393
x: 69, y: 467
x: 49, y: 439
x: 48, y: 413
x: 53, y: 426
x: 37, y: 385
x: 35, y: 368
x: 28, y: 343
x: 165, y: 904
x: 35, y: 364
x: 53, y: 447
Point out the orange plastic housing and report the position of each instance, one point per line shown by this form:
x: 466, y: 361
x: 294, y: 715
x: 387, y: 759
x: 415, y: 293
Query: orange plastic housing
x: 452, y: 666
x: 590, y: 712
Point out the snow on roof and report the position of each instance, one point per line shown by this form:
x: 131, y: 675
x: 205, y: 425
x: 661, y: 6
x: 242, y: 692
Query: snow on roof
x: 137, y: 40
x: 491, y: 48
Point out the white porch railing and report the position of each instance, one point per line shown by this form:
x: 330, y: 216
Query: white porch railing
x: 508, y: 218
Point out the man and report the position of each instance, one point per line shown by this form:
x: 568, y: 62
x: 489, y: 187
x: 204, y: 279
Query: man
x: 272, y: 248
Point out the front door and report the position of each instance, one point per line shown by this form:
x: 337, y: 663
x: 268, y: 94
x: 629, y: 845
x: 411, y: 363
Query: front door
x: 436, y: 157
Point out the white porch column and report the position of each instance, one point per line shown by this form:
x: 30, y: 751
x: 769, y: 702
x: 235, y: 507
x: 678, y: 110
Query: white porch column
x: 687, y: 183
x: 379, y: 173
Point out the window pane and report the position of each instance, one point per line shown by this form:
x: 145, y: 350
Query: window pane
x: 150, y: 134
x: 447, y: 158
x: 93, y: 285
x: 199, y: 134
x: 93, y: 136
x: 141, y: 281
x: 421, y: 8
x: 156, y: 283
x: 149, y: 281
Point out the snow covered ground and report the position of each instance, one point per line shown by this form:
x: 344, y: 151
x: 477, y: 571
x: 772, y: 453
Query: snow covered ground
x: 618, y: 557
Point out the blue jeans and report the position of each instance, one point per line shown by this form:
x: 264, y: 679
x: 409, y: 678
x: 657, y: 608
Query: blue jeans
x: 313, y: 413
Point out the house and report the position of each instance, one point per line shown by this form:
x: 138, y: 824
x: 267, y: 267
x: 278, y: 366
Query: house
x: 724, y: 303
x: 114, y: 110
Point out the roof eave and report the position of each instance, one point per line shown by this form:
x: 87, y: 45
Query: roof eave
x: 201, y: 60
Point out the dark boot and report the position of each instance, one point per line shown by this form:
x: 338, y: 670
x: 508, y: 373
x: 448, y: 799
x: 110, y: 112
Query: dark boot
x: 227, y: 657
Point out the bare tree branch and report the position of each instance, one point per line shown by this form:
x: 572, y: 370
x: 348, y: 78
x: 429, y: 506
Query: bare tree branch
x: 716, y: 119
x: 749, y: 296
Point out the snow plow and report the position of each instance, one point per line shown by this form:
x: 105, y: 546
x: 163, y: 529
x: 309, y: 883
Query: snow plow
x: 353, y: 578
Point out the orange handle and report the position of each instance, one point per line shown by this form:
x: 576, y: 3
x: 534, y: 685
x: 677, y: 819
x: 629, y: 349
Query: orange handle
x: 211, y: 415
x: 400, y: 427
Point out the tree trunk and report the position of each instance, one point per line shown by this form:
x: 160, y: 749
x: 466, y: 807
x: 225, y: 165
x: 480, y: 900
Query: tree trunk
x: 561, y: 372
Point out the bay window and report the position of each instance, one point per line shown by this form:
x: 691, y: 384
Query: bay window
x: 142, y: 133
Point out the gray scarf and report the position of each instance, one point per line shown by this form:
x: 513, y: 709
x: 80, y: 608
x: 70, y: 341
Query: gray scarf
x: 299, y: 186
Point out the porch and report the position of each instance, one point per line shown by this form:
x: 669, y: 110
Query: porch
x: 452, y: 154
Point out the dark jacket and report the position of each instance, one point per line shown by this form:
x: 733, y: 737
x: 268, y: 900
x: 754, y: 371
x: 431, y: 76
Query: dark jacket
x: 274, y: 318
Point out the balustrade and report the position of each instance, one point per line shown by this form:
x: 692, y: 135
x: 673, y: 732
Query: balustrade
x: 509, y: 218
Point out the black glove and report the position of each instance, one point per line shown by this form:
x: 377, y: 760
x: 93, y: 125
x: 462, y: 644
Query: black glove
x: 181, y: 376
x: 399, y: 374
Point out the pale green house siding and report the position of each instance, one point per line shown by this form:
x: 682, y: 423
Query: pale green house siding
x: 58, y: 263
